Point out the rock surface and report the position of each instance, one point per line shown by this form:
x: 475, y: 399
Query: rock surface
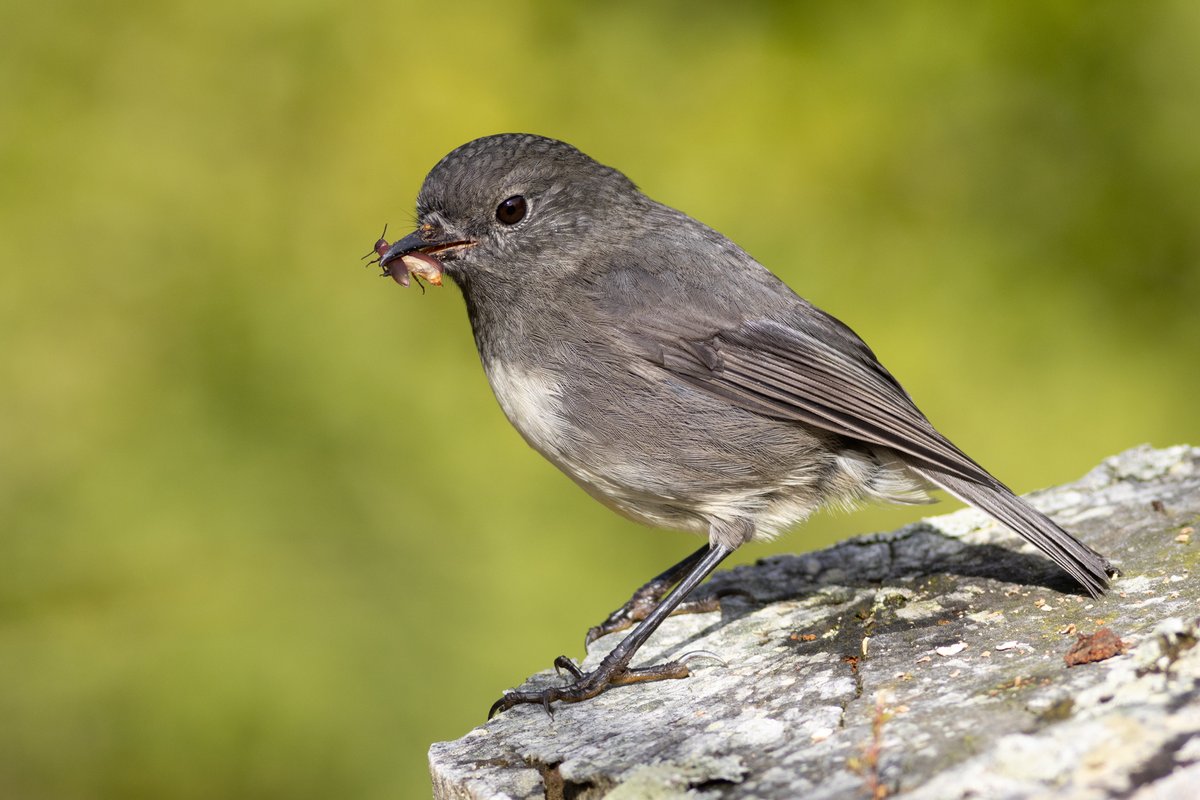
x: 927, y: 663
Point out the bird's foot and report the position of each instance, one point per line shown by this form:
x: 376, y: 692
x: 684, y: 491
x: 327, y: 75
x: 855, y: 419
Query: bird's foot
x: 644, y: 601
x: 638, y: 607
x: 587, y: 685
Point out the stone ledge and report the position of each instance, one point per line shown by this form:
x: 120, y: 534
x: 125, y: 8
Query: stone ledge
x: 926, y: 662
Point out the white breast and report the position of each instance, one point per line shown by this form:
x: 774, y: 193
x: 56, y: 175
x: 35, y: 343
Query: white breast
x: 530, y: 400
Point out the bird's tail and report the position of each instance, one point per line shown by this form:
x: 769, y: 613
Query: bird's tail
x: 1083, y: 563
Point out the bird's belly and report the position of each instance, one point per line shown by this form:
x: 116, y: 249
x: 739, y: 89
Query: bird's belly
x: 532, y: 399
x: 672, y: 472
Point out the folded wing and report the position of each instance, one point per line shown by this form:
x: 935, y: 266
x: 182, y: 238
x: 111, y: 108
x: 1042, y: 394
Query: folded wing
x: 828, y: 379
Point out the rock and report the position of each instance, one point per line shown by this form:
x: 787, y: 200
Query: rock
x: 927, y: 662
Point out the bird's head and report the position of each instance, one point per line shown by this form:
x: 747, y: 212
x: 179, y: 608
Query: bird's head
x: 515, y: 203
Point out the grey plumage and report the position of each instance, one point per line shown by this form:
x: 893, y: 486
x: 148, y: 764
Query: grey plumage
x: 671, y: 375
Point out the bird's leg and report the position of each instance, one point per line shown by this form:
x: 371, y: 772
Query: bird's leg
x: 614, y: 670
x: 647, y: 596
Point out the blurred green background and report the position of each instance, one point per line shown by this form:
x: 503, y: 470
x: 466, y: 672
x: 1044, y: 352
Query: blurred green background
x: 265, y: 532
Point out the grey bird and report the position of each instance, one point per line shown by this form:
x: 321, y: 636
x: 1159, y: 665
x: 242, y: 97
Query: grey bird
x: 673, y: 377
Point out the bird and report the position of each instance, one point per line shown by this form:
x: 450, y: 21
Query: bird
x: 673, y: 377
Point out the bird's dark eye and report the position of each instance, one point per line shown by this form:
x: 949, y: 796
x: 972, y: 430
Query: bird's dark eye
x: 512, y: 210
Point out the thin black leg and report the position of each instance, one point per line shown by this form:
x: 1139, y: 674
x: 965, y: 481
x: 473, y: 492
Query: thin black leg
x: 647, y: 596
x: 614, y: 670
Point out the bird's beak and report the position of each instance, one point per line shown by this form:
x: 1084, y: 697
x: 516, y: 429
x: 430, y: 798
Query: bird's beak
x: 415, y: 253
x: 427, y: 239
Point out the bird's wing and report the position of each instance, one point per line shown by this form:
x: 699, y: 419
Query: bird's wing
x: 834, y: 384
x: 819, y: 373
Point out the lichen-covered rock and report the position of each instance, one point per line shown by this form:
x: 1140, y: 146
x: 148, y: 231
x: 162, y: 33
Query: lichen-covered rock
x: 928, y: 663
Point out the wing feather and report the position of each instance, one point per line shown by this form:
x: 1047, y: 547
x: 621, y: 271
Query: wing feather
x: 777, y: 370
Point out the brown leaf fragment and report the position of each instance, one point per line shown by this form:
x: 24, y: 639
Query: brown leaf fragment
x: 1095, y: 647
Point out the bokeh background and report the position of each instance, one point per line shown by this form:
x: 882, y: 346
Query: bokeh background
x: 264, y: 531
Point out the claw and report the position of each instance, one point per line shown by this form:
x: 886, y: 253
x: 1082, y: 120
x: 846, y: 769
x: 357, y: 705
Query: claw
x: 709, y: 654
x: 563, y: 663
x: 498, y: 706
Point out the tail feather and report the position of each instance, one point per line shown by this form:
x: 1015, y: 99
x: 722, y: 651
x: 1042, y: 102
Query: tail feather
x: 1082, y: 562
